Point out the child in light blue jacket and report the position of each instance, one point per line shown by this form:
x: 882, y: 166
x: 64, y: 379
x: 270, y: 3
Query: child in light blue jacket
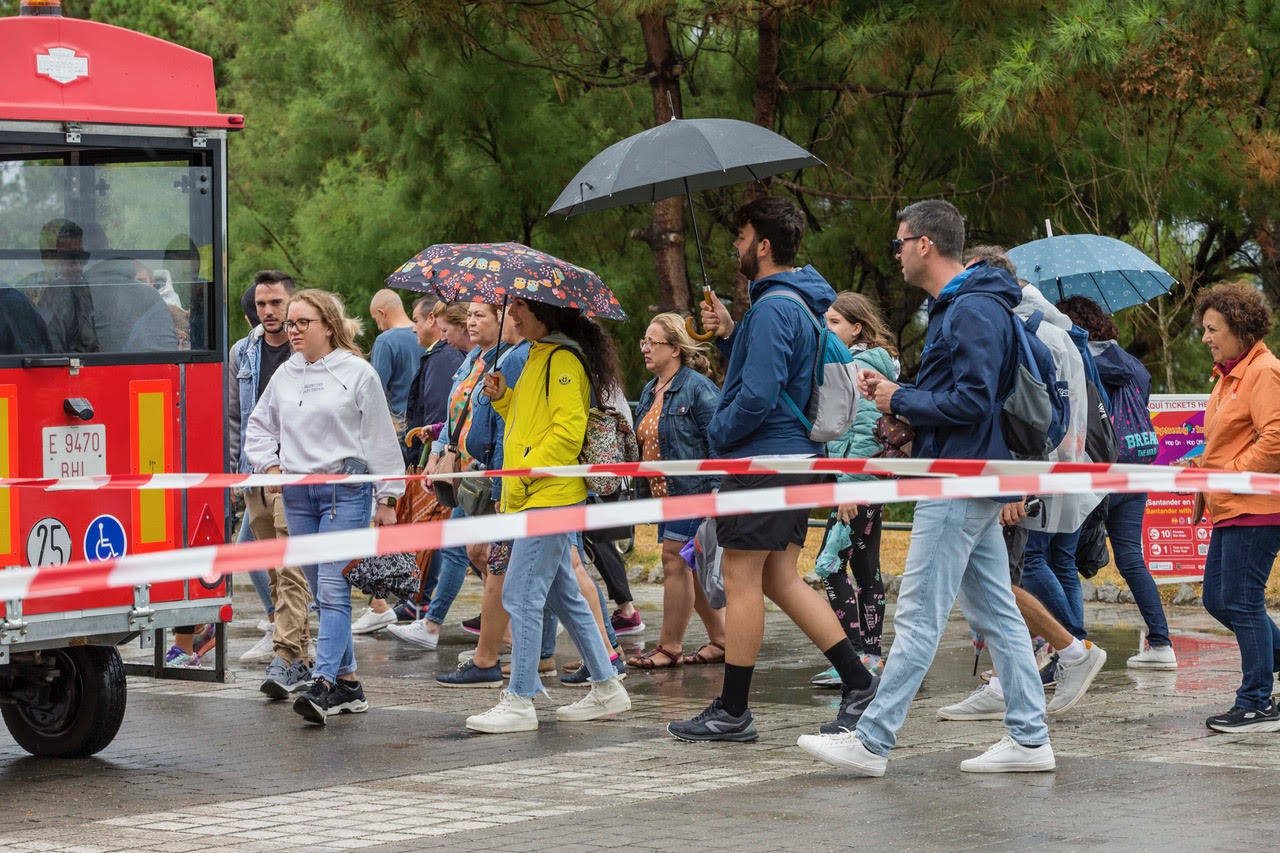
x: 852, y: 540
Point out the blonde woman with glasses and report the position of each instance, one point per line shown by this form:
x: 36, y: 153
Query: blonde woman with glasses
x: 324, y: 412
x: 671, y: 423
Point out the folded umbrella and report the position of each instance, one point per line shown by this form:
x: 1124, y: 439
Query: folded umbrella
x: 1109, y: 271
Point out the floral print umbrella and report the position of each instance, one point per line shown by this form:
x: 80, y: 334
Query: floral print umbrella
x: 496, y: 272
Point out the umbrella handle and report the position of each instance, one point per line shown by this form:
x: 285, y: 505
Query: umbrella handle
x: 700, y: 337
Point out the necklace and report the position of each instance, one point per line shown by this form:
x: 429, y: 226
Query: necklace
x: 660, y: 388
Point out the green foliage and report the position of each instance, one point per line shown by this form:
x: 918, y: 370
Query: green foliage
x: 374, y: 129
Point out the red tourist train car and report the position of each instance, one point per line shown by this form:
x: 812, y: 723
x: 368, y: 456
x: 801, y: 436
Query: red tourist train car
x: 112, y: 340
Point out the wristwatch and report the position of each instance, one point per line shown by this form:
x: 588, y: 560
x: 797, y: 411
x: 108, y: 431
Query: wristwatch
x: 388, y: 502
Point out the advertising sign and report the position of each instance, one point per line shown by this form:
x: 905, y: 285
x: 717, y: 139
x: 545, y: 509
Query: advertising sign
x: 1173, y: 547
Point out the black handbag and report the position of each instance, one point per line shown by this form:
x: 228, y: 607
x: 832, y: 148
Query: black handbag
x: 1091, y: 550
x: 625, y: 492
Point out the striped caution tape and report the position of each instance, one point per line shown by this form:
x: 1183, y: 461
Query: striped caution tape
x: 211, y: 562
x: 673, y: 468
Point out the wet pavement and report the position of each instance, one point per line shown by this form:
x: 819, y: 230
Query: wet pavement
x: 217, y: 766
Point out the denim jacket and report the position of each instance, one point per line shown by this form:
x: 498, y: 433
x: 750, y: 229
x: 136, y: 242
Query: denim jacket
x: 687, y: 408
x: 246, y: 366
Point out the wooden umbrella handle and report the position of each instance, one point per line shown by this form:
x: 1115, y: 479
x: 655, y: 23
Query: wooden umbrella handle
x: 700, y: 337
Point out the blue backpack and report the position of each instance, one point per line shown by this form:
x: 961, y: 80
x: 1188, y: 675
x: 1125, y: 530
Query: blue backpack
x: 1034, y: 406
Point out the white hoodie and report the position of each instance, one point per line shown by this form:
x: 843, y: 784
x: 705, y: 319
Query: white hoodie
x: 314, y: 415
x: 1062, y: 513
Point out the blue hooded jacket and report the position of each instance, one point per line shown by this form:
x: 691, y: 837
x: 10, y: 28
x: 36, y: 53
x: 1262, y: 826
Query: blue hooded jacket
x: 772, y: 349
x: 954, y: 405
x: 1118, y: 368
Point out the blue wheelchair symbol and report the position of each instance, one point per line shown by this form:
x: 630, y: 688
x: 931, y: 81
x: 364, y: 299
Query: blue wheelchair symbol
x: 104, y: 539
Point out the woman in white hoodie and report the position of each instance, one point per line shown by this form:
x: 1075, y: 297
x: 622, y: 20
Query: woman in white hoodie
x: 324, y: 412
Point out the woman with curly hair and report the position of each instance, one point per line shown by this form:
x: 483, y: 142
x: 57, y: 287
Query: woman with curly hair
x: 1242, y: 433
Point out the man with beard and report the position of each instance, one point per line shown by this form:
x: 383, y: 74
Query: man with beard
x: 769, y: 378
x: 266, y: 349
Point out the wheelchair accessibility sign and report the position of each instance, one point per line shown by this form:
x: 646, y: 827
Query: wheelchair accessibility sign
x: 104, y: 539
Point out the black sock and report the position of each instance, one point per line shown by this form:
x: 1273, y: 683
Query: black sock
x: 844, y: 657
x: 737, y: 683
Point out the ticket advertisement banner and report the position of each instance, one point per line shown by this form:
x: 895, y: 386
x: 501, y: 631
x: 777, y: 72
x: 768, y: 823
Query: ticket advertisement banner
x: 1173, y: 547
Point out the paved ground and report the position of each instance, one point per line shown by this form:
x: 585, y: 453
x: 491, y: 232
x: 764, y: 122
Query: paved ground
x: 216, y: 766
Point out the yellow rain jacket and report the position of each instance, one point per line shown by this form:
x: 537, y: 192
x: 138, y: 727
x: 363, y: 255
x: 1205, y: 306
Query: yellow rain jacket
x: 546, y: 424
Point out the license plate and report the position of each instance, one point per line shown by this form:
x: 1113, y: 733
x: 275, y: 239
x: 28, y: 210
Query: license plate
x: 75, y: 451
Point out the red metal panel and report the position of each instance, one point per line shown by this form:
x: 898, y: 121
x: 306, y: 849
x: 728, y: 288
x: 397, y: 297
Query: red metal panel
x: 67, y: 69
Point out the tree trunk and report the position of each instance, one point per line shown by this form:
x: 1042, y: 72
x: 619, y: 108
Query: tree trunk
x: 768, y: 41
x: 665, y: 235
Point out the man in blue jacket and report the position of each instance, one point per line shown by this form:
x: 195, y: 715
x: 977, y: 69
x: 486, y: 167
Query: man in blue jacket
x: 770, y: 352
x: 956, y: 544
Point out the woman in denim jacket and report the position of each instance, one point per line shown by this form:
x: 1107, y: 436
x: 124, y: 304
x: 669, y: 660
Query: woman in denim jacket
x: 671, y: 423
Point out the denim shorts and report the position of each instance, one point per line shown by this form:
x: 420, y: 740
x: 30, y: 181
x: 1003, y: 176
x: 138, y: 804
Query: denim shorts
x: 678, y: 531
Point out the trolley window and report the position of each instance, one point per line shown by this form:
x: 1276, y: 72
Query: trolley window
x: 107, y: 252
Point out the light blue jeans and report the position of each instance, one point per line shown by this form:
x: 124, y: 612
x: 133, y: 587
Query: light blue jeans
x: 541, y: 576
x: 318, y: 509
x: 260, y: 578
x: 453, y: 571
x: 956, y: 548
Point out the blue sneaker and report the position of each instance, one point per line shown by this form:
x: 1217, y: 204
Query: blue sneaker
x: 580, y: 677
x: 827, y: 678
x: 469, y: 675
x: 1049, y: 673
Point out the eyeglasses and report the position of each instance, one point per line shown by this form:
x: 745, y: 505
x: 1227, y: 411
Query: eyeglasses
x: 896, y: 243
x: 647, y: 343
x: 301, y: 324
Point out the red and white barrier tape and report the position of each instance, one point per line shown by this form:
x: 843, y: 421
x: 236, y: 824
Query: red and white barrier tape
x: 897, y: 467
x: 210, y: 562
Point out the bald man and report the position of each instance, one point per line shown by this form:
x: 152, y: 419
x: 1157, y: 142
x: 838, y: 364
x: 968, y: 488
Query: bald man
x: 396, y: 352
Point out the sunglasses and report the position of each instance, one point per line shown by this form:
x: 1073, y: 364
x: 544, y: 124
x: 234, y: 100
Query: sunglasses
x: 896, y: 243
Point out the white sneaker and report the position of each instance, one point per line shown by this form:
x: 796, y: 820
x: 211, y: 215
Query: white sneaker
x: 470, y: 654
x: 1074, y: 678
x: 512, y: 714
x: 418, y: 633
x: 1009, y: 756
x: 266, y: 625
x: 982, y: 704
x: 605, y: 698
x: 1154, y: 657
x: 263, y: 650
x: 370, y: 622
x: 844, y: 750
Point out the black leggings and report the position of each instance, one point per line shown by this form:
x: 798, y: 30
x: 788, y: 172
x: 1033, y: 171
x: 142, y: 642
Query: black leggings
x: 858, y: 602
x: 608, y: 562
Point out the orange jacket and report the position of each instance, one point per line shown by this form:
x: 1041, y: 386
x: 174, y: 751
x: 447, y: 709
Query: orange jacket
x: 1242, y: 431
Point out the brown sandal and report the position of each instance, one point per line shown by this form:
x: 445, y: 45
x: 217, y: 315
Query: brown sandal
x: 647, y: 659
x: 698, y: 656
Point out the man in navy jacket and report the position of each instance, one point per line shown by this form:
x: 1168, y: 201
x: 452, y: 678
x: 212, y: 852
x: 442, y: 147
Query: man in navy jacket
x: 771, y: 351
x: 956, y: 544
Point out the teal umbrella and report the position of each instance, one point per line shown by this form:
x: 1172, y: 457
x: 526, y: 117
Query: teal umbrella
x: 1110, y: 272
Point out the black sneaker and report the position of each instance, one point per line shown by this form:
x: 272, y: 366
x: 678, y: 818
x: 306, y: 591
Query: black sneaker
x: 1049, y: 672
x: 323, y: 699
x: 1247, y: 720
x: 715, y: 723
x: 852, y: 704
x: 472, y: 625
x: 407, y: 611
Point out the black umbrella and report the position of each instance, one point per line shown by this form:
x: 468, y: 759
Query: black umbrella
x: 677, y: 158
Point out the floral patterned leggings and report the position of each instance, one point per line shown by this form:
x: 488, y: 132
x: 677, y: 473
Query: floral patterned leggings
x: 858, y: 602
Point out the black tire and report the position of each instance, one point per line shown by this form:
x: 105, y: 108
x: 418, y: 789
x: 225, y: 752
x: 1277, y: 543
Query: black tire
x: 83, y: 710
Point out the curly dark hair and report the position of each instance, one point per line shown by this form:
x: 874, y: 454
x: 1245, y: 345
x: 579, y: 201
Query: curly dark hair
x: 1244, y: 308
x: 1088, y: 315
x: 597, y: 348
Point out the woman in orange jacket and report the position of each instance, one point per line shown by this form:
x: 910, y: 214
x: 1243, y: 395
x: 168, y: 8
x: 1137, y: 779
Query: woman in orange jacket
x: 1242, y: 433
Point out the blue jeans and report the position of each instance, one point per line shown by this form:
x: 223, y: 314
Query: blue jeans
x: 453, y: 571
x: 318, y: 509
x: 261, y: 580
x: 1049, y: 573
x: 956, y: 547
x: 540, y: 577
x: 1124, y: 528
x: 1235, y: 580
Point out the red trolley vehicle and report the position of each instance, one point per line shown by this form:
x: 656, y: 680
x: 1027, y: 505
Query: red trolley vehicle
x: 112, y: 342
